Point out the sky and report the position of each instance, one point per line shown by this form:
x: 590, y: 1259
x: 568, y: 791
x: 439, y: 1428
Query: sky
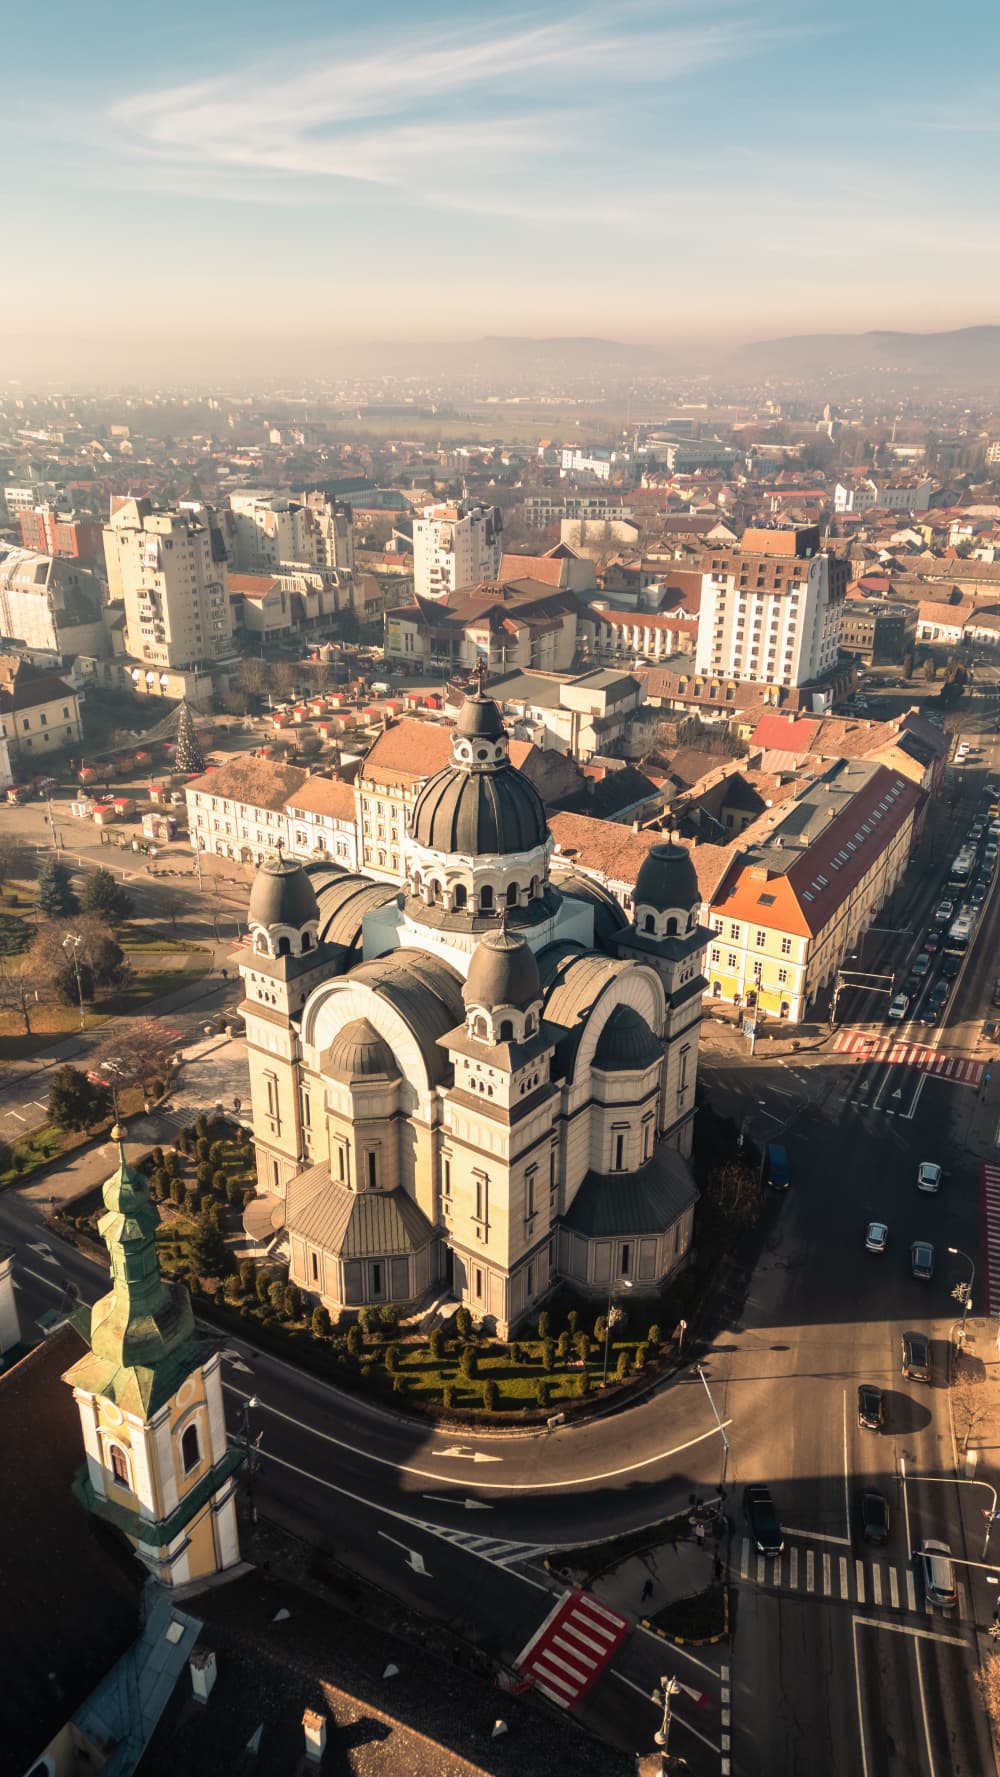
x: 248, y: 186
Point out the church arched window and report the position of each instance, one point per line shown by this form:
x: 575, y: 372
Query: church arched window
x: 460, y: 896
x: 479, y: 1028
x: 534, y: 888
x: 261, y: 942
x: 649, y: 923
x: 529, y: 1025
x: 190, y: 1449
x: 284, y: 947
x: 506, y: 1032
x: 119, y: 1464
x: 671, y: 927
x: 306, y: 941
x: 512, y: 894
x: 486, y: 900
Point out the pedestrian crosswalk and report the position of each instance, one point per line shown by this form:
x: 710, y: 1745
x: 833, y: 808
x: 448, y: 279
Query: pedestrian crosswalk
x: 960, y: 1069
x: 989, y: 1199
x: 492, y: 1549
x: 571, y: 1648
x: 847, y: 1577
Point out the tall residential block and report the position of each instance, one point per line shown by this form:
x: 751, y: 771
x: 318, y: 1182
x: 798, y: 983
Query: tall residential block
x: 170, y: 569
x: 771, y: 609
x: 454, y: 546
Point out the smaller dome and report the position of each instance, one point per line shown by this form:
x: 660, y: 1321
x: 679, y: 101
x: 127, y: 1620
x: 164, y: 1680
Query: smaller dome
x: 479, y: 719
x: 282, y: 894
x: 667, y: 879
x: 626, y: 1043
x: 503, y: 972
x: 359, y: 1053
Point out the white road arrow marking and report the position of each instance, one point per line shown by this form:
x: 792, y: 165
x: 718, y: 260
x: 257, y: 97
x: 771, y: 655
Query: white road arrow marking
x: 468, y: 1455
x: 43, y: 1251
x: 234, y: 1358
x: 416, y: 1562
x: 471, y: 1505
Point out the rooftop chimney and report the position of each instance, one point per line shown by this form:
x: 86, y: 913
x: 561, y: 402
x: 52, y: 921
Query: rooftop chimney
x: 203, y: 1673
x: 314, y: 1728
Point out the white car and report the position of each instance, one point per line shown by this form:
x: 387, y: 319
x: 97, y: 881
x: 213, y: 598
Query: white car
x: 928, y: 1176
x: 876, y: 1237
x: 963, y: 751
x: 898, y: 1007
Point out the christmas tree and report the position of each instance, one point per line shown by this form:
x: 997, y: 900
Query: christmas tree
x: 188, y: 755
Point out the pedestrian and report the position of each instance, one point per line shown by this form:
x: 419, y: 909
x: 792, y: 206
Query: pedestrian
x: 647, y: 1591
x: 699, y: 1535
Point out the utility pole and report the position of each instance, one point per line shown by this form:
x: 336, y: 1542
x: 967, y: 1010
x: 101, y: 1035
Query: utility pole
x: 722, y: 1434
x: 75, y: 940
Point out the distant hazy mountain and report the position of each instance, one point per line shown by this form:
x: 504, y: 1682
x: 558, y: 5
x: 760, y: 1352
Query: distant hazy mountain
x: 964, y: 354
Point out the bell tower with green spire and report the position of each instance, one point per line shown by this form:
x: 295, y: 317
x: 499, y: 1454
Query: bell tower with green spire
x: 159, y: 1464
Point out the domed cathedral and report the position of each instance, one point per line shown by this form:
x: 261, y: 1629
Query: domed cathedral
x: 482, y: 1081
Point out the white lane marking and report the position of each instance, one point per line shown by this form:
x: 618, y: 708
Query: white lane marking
x: 876, y: 1585
x: 827, y: 1576
x: 810, y: 1571
x: 908, y: 1629
x: 415, y: 1562
x: 843, y: 1576
x: 893, y: 1588
x: 911, y: 1593
x: 44, y: 1252
x: 679, y: 1719
x: 816, y: 1536
x: 847, y: 1490
x: 49, y: 1282
x: 680, y: 1652
x: 932, y: 1769
x: 857, y: 1693
x: 761, y: 1570
x: 793, y: 1573
x: 745, y: 1558
x: 423, y: 1474
x: 859, y: 1578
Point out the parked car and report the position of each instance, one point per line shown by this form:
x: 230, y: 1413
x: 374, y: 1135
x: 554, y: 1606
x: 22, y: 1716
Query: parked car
x: 916, y: 1355
x: 876, y: 1518
x: 928, y: 1176
x: 922, y: 1259
x: 871, y: 1407
x: 938, y: 1574
x: 762, y: 1519
x: 899, y: 1005
x: 876, y: 1237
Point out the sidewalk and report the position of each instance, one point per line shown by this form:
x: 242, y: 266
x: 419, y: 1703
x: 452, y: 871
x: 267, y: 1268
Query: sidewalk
x: 643, y: 1584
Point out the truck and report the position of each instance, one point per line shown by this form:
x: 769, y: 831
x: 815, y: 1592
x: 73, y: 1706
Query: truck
x: 963, y: 865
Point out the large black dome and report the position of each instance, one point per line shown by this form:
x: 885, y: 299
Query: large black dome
x: 667, y: 880
x: 282, y: 894
x: 479, y: 812
x: 480, y: 718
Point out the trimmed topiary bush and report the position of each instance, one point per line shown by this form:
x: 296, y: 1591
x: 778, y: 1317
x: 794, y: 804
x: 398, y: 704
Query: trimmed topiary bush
x: 601, y: 1329
x: 292, y: 1302
x: 581, y: 1345
x: 562, y: 1347
x: 544, y: 1320
x: 548, y: 1354
x: 220, y: 1181
x: 623, y: 1365
x: 462, y: 1322
x: 355, y: 1341
x: 263, y: 1287
x: 392, y: 1359
x: 583, y: 1383
x: 641, y: 1356
x: 468, y: 1363
x: 448, y: 1395
x: 573, y: 1321
x: 541, y: 1392
x: 490, y: 1395
x: 203, y: 1148
x: 276, y: 1297
x: 437, y: 1344
x: 203, y: 1173
x: 319, y: 1324
x: 177, y: 1191
x: 400, y: 1384
x: 654, y: 1337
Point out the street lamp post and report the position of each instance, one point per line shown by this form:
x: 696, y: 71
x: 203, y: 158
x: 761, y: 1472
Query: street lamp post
x: 624, y: 1281
x: 75, y: 940
x: 250, y: 1447
x: 669, y: 1689
x: 722, y: 1434
x: 118, y: 1071
x: 957, y: 1253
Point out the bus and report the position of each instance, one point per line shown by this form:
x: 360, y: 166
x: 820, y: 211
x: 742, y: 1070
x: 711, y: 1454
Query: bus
x: 964, y: 864
x: 959, y: 933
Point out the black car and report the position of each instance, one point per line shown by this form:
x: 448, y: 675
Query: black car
x: 916, y: 1355
x: 912, y: 986
x: 871, y: 1407
x: 950, y: 965
x: 762, y: 1519
x: 876, y: 1518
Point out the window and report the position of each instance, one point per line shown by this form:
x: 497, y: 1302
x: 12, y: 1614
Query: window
x: 119, y: 1465
x: 478, y: 1275
x: 341, y: 1161
x: 460, y: 896
x: 625, y: 1260
x: 786, y: 946
x: 314, y: 1266
x: 761, y: 940
x: 715, y: 953
x: 376, y: 1280
x: 782, y: 976
x: 190, y: 1449
x: 506, y: 1031
x: 529, y: 1190
x: 482, y: 1197
x: 512, y: 895
x: 272, y: 1095
x: 371, y: 1169
x: 718, y: 925
x: 446, y: 1176
x: 305, y: 1110
x: 683, y: 1076
x: 649, y: 923
x: 618, y: 1152
x: 486, y: 900
x: 647, y: 1138
x: 734, y: 932
x: 732, y: 960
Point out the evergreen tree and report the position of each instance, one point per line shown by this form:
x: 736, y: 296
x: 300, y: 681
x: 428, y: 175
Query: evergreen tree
x: 55, y: 894
x: 207, y: 1251
x: 76, y: 1102
x: 188, y: 755
x: 106, y: 899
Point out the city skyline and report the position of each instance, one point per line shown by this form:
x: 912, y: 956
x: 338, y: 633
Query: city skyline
x: 649, y: 176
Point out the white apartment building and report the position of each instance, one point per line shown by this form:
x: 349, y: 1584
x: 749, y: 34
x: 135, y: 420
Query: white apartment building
x: 771, y: 609
x: 271, y: 529
x: 865, y: 494
x: 171, y: 571
x: 455, y: 546
x: 333, y: 532
x: 50, y: 605
x: 36, y: 493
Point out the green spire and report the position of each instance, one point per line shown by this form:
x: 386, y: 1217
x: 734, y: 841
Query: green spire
x: 141, y: 1334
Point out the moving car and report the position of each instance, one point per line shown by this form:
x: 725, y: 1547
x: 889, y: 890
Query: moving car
x: 928, y: 1176
x: 937, y: 1573
x: 916, y: 1350
x: 951, y: 962
x: 921, y: 965
x: 776, y: 1173
x: 932, y: 942
x: 899, y: 1005
x: 876, y: 1517
x: 922, y: 1259
x: 876, y: 1237
x: 762, y: 1519
x: 978, y: 896
x: 871, y: 1407
x: 945, y: 910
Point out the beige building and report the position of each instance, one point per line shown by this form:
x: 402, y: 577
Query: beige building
x: 771, y: 610
x: 455, y: 546
x: 239, y: 811
x: 170, y: 569
x: 322, y: 822
x: 39, y: 714
x: 479, y: 1079
x: 805, y: 882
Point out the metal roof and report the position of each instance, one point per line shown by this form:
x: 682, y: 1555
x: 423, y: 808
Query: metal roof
x: 633, y: 1203
x: 354, y: 1224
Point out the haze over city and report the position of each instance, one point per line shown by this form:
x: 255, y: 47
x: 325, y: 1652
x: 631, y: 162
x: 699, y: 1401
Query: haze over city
x: 225, y: 192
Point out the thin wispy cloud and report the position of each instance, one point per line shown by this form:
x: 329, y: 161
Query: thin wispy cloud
x: 495, y: 100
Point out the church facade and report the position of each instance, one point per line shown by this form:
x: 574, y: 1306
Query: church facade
x: 482, y: 1080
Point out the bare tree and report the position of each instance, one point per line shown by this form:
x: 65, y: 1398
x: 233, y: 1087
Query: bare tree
x: 251, y: 676
x: 173, y: 901
x: 970, y: 1400
x: 284, y: 677
x: 18, y: 990
x: 14, y: 858
x: 139, y: 1055
x: 988, y: 1686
